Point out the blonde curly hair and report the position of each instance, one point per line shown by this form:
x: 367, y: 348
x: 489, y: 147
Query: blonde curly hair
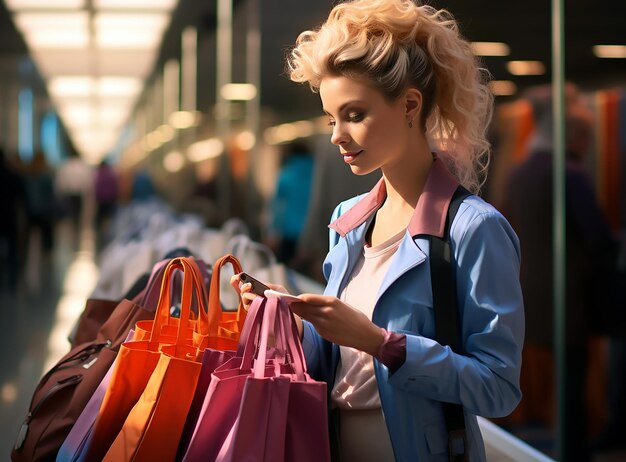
x: 397, y: 44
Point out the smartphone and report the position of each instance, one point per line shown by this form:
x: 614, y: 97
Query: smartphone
x: 257, y: 286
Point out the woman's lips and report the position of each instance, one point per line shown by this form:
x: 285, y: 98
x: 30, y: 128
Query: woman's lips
x: 348, y: 157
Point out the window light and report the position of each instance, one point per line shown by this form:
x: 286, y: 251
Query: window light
x: 490, y: 48
x: 503, y: 87
x: 238, y: 91
x: 526, y: 67
x: 610, y: 51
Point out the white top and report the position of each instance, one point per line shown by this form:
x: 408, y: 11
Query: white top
x: 363, y: 432
x: 355, y: 383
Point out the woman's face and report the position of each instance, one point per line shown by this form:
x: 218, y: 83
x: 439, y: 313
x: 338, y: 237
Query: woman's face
x: 370, y: 131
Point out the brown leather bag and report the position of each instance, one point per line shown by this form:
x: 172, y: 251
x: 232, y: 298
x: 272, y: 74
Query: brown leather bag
x: 94, y: 315
x: 64, y: 391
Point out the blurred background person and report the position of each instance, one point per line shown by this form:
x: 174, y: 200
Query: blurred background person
x: 528, y: 205
x: 142, y: 186
x: 13, y: 196
x: 290, y: 202
x: 72, y: 183
x: 106, y: 191
x: 41, y: 203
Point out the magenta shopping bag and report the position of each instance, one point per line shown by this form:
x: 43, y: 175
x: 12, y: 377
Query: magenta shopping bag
x: 211, y: 359
x: 259, y: 407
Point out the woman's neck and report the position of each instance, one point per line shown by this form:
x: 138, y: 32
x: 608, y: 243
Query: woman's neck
x: 405, y: 182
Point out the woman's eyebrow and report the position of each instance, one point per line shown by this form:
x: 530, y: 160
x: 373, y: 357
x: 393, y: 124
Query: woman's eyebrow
x: 343, y: 106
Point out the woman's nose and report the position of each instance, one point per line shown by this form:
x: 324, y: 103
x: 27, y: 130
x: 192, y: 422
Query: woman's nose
x: 339, y: 135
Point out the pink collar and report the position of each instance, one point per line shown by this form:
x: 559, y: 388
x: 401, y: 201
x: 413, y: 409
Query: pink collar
x: 430, y: 213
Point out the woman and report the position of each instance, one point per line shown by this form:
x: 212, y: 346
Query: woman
x: 397, y: 81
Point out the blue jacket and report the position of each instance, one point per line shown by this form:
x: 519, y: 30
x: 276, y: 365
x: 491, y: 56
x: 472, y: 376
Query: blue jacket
x: 485, y: 379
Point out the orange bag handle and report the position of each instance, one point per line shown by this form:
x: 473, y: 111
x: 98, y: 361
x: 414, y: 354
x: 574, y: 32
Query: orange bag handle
x: 215, y: 308
x: 192, y: 282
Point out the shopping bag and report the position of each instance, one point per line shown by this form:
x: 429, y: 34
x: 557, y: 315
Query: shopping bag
x: 267, y: 410
x: 73, y: 448
x: 137, y: 360
x: 92, y: 318
x: 222, y: 343
x: 169, y: 327
x: 153, y: 427
x: 65, y: 389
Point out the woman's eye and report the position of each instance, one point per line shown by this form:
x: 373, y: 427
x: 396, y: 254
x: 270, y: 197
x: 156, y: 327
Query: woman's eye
x: 355, y: 116
x: 331, y: 123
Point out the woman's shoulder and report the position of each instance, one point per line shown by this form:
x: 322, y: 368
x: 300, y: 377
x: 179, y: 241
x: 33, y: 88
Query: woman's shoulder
x: 478, y: 218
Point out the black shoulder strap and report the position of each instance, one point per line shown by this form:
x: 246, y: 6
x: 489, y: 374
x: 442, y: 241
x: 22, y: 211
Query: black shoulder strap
x: 447, y: 325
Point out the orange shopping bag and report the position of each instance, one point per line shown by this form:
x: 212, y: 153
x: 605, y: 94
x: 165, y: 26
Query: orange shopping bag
x: 137, y: 360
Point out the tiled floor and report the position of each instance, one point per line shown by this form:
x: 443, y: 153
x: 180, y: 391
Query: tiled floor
x: 37, y: 316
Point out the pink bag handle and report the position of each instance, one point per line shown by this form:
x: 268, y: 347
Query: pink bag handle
x: 269, y: 321
x: 266, y: 314
x: 291, y: 335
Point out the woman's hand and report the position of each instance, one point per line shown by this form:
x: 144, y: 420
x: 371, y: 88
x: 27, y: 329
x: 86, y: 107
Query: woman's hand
x: 247, y: 296
x: 339, y: 323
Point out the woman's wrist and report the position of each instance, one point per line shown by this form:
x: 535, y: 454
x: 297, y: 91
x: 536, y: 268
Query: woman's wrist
x: 392, y: 350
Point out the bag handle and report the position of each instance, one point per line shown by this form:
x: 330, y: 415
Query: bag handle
x: 150, y: 298
x: 215, y: 307
x: 295, y: 354
x: 192, y: 283
x: 266, y: 314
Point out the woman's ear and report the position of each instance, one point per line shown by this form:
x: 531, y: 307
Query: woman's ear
x: 413, y: 104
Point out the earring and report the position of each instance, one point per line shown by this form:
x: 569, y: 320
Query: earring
x: 411, y: 123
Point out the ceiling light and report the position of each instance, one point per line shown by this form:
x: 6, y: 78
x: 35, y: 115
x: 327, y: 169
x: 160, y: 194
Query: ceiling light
x: 526, y: 67
x: 245, y: 140
x: 610, y: 51
x: 34, y: 22
x: 74, y: 86
x: 53, y: 30
x: 152, y: 141
x: 503, y: 87
x: 128, y: 39
x: 57, y: 39
x: 128, y: 31
x: 122, y: 21
x: 173, y: 161
x: 135, y: 4
x: 184, y: 119
x: 118, y: 87
x: 490, y: 48
x: 83, y: 113
x: 166, y: 132
x: 289, y: 131
x: 44, y: 4
x: 238, y: 91
x: 203, y: 150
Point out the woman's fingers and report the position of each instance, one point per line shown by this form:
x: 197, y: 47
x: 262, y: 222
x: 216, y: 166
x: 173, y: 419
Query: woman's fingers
x: 235, y: 281
x: 244, y: 291
x: 277, y: 288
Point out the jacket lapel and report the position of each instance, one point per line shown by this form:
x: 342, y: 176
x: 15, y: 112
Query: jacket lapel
x: 342, y: 257
x: 408, y: 256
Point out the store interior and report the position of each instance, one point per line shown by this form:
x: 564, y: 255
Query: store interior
x: 189, y: 105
